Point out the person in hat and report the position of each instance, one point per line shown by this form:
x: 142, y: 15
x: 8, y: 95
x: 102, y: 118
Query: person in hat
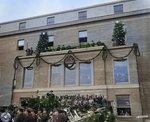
x: 44, y: 116
x: 27, y: 115
x: 60, y: 116
x: 33, y: 113
x: 20, y: 115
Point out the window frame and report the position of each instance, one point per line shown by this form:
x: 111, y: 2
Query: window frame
x: 51, y: 22
x: 118, y: 11
x: 77, y: 83
x: 51, y: 41
x: 22, y: 27
x: 24, y: 74
x: 82, y: 37
x: 82, y: 17
x: 76, y: 80
x: 20, y: 46
x: 62, y: 73
x: 128, y: 107
x: 128, y: 70
x: 91, y: 74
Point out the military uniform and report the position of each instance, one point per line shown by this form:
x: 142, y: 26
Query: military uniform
x: 34, y: 118
x: 20, y: 118
x: 28, y: 118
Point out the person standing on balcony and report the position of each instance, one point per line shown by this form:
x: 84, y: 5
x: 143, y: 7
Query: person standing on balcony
x: 27, y: 52
x: 31, y: 51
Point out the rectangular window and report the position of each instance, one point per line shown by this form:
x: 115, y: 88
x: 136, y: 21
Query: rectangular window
x: 85, y: 73
x: 21, y: 45
x: 56, y: 75
x: 28, y: 78
x: 22, y: 25
x: 123, y: 105
x: 82, y: 15
x: 70, y: 76
x: 50, y: 40
x: 121, y: 71
x: 118, y: 9
x: 82, y: 36
x: 50, y: 20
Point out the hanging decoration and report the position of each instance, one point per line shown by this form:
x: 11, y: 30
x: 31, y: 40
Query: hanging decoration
x: 104, y: 55
x: 38, y: 60
x: 69, y: 62
x: 136, y: 49
x: 69, y: 58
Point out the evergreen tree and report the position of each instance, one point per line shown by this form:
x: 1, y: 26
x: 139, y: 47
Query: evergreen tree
x: 119, y: 33
x: 43, y: 42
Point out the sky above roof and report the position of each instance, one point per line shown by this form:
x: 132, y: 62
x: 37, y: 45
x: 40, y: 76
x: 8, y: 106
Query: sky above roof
x: 19, y: 9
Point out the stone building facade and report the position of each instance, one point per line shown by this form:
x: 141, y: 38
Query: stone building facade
x: 66, y: 28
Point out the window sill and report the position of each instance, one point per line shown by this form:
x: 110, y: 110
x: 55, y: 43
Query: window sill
x: 121, y: 83
x: 20, y: 50
x: 119, y: 116
x: 85, y: 85
x: 79, y: 85
x: 27, y: 87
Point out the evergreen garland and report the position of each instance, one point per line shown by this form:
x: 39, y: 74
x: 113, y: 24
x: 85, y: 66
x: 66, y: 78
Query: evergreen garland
x: 119, y: 33
x: 42, y: 43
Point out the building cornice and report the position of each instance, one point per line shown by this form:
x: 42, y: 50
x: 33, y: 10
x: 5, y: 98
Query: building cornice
x: 66, y: 11
x: 77, y: 22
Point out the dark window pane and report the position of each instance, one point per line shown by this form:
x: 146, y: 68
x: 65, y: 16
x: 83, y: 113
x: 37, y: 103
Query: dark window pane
x: 50, y: 40
x: 70, y: 76
x: 21, y: 45
x: 85, y: 73
x: 82, y: 15
x: 50, y: 20
x: 56, y: 75
x: 83, y: 39
x: 21, y: 48
x: 22, y: 25
x: 28, y: 79
x: 118, y: 9
x: 82, y: 36
x: 50, y: 44
x: 124, y: 111
x: 121, y: 71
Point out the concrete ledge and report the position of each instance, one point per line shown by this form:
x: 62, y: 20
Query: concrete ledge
x: 80, y: 50
x: 78, y: 88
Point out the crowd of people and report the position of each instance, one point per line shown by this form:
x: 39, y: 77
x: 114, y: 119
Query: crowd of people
x: 26, y: 114
x: 82, y: 100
